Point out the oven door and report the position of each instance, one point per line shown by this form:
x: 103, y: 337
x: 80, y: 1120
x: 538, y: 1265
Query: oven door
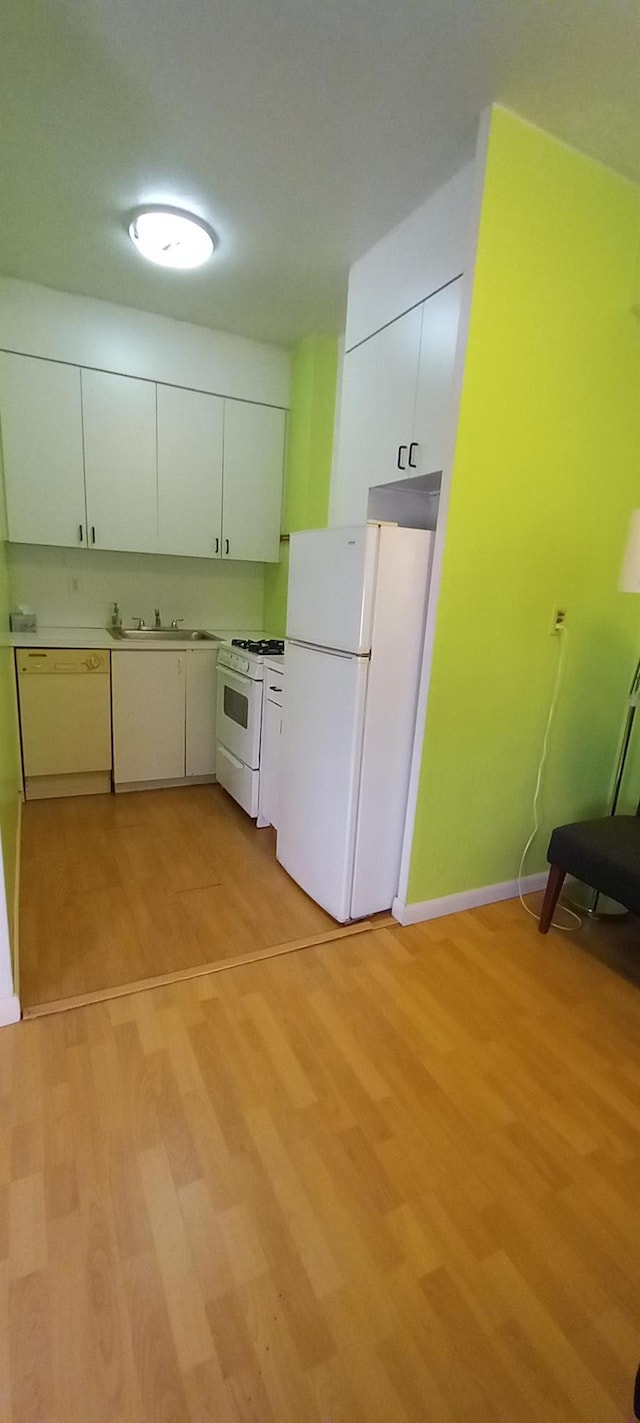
x: 239, y: 715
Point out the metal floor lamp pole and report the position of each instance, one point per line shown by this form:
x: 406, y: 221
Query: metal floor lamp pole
x: 632, y: 707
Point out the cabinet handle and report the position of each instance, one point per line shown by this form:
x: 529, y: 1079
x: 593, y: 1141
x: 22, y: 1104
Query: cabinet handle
x: 398, y: 461
x: 93, y: 533
x: 179, y: 665
x: 80, y: 533
x: 275, y: 689
x: 226, y: 545
x: 217, y: 545
x: 413, y: 446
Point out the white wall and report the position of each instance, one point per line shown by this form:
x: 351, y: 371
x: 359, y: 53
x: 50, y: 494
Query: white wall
x: 38, y: 321
x: 415, y: 259
x: 76, y: 587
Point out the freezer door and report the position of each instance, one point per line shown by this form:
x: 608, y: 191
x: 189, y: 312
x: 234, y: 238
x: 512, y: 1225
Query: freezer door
x: 332, y: 587
x: 321, y: 749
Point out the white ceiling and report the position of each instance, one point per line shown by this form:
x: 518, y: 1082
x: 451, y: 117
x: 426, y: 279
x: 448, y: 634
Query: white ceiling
x: 301, y: 129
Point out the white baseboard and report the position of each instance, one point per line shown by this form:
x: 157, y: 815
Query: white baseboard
x: 123, y: 787
x: 469, y: 899
x: 9, y: 1011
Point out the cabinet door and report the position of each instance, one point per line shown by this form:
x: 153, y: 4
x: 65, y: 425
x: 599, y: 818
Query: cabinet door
x: 270, y: 758
x: 434, y: 402
x: 119, y: 415
x: 201, y: 712
x: 41, y: 416
x: 252, y: 481
x: 376, y: 415
x: 189, y: 472
x: 148, y: 698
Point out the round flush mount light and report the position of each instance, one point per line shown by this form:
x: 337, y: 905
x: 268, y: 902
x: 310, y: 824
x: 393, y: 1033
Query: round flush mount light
x: 171, y: 237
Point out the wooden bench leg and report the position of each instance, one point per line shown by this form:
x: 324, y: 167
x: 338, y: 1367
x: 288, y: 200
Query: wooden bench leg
x: 551, y: 896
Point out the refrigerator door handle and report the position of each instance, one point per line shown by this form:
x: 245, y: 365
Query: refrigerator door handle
x: 329, y: 651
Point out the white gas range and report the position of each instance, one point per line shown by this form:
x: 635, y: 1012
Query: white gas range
x: 240, y: 691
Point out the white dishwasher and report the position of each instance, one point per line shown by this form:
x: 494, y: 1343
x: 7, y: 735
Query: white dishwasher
x: 65, y: 721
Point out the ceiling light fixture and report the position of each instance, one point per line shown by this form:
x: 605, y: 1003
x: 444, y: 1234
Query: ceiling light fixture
x: 171, y: 237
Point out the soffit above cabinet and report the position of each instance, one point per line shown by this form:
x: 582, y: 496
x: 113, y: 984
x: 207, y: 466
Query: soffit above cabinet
x: 98, y: 334
x: 418, y: 257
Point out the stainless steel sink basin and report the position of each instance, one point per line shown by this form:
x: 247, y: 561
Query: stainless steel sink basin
x: 163, y: 635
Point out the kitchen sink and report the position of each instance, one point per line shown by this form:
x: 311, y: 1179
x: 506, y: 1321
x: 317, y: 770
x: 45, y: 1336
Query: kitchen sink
x: 163, y: 635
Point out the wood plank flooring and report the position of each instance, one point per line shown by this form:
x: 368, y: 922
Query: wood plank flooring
x: 394, y: 1179
x: 121, y: 888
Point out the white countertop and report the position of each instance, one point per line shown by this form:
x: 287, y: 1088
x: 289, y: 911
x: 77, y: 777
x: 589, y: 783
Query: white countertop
x: 101, y: 638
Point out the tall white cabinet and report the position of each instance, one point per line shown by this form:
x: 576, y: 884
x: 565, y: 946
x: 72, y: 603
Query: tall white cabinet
x: 378, y: 403
x: 397, y: 403
x: 41, y: 414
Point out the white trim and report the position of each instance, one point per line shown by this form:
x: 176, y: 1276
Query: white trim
x: 468, y: 899
x: 337, y: 409
x: 16, y: 903
x: 443, y: 508
x: 123, y: 787
x: 10, y: 1010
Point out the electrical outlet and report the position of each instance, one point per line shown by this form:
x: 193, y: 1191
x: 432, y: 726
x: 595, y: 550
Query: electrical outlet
x: 75, y: 586
x: 558, y: 621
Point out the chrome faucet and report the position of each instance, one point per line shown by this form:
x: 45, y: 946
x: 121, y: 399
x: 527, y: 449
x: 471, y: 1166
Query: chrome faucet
x: 158, y: 619
x: 176, y: 621
x: 140, y: 621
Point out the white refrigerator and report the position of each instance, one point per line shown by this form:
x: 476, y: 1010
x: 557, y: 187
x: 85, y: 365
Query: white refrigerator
x: 355, y: 628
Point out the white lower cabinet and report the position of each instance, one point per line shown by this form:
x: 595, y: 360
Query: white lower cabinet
x: 201, y: 713
x: 163, y: 716
x: 270, y: 753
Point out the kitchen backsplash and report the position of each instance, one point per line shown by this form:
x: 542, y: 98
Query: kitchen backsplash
x: 76, y: 587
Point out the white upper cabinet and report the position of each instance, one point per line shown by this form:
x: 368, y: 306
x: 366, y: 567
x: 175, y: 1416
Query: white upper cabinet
x: 119, y: 417
x: 252, y: 485
x: 190, y: 426
x: 376, y: 418
x: 41, y: 416
x: 435, y: 396
x: 116, y: 462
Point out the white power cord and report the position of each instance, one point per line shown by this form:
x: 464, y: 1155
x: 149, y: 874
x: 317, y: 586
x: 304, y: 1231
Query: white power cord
x: 568, y: 928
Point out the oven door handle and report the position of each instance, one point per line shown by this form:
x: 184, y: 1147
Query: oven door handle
x: 238, y: 680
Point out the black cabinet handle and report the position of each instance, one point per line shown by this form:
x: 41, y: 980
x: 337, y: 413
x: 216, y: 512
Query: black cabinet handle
x: 80, y: 533
x: 226, y: 545
x: 399, y: 461
x: 413, y: 446
x: 275, y: 689
x: 217, y: 545
x: 93, y: 533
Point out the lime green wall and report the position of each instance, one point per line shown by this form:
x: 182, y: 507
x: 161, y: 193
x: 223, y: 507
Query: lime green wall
x: 546, y: 471
x: 10, y: 778
x: 308, y: 471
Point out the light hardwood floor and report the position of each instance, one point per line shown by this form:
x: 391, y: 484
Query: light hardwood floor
x: 394, y: 1179
x: 121, y: 888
